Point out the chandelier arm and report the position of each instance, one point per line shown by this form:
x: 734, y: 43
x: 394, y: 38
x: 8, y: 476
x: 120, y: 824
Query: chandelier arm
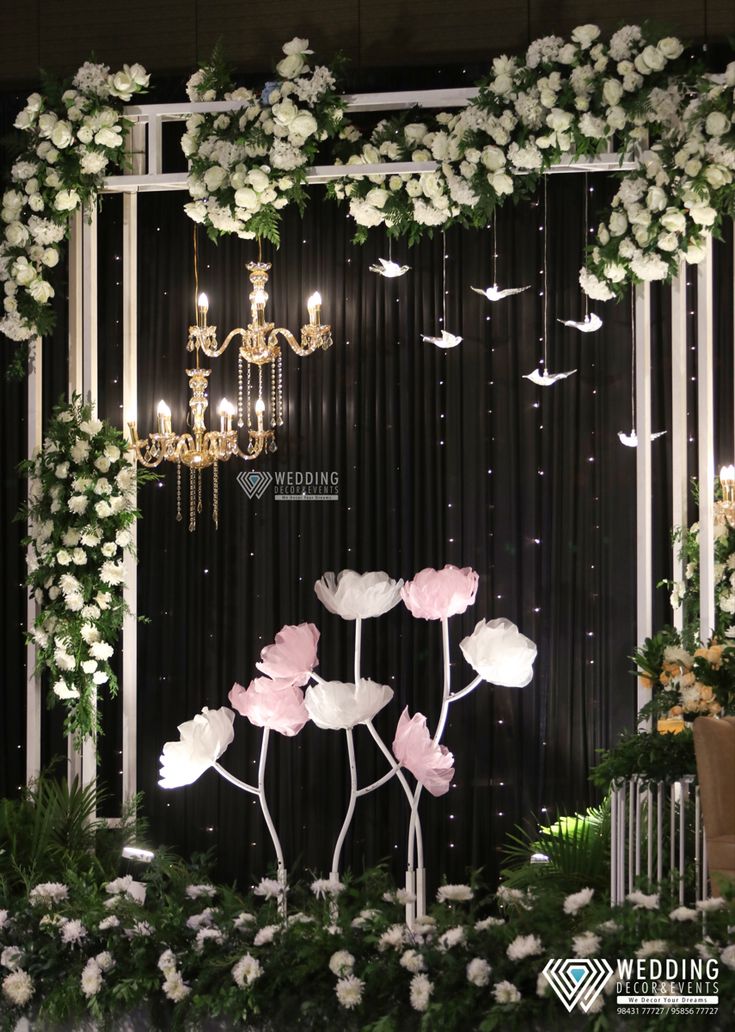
x: 257, y: 451
x: 299, y: 349
x: 142, y: 451
x: 220, y: 349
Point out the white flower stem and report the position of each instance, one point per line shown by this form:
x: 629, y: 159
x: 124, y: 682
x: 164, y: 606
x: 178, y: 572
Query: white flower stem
x: 446, y: 699
x: 264, y: 805
x: 233, y: 780
x: 397, y: 772
x: 466, y: 691
x: 350, y: 806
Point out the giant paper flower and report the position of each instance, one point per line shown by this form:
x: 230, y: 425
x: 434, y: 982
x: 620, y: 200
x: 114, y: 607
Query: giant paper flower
x: 202, y: 742
x: 430, y: 763
x: 277, y: 705
x: 436, y: 594
x: 334, y: 706
x: 500, y: 653
x: 292, y: 657
x: 356, y: 596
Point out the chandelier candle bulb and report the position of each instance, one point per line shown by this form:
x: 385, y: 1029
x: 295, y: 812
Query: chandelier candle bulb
x: 164, y: 418
x: 314, y: 306
x: 727, y: 482
x: 259, y: 410
x: 226, y: 411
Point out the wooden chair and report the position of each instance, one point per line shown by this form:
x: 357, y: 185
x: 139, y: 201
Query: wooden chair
x: 714, y: 745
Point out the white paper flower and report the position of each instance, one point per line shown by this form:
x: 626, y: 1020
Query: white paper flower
x: 500, y: 653
x: 203, y: 740
x: 354, y: 595
x: 336, y: 706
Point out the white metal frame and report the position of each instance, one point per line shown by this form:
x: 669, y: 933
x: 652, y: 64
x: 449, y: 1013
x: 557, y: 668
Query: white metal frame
x: 147, y: 175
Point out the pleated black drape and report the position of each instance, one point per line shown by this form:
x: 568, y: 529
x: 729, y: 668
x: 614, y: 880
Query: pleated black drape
x: 442, y: 456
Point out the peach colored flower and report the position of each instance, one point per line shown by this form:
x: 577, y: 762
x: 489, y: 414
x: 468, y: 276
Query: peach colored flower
x: 277, y: 705
x: 436, y: 594
x: 292, y: 657
x: 430, y: 763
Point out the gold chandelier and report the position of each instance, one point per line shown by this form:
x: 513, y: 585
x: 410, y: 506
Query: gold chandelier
x: 259, y: 356
x: 200, y: 448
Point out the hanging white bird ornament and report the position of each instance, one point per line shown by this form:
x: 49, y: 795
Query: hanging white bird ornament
x: 544, y: 379
x: 631, y: 440
x: 447, y: 340
x: 389, y: 269
x: 493, y: 294
x: 590, y: 324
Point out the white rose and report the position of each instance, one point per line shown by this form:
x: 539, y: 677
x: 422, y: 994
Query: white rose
x: 108, y: 138
x: 716, y: 123
x: 377, y: 197
x: 567, y: 54
x: 670, y: 47
x: 85, y: 134
x: 16, y: 234
x: 585, y: 35
x: 23, y: 272
x: 66, y: 200
x: 214, y: 177
x: 303, y: 125
x: 673, y: 220
x: 656, y: 199
x: 501, y: 183
x: 122, y: 84
x: 668, y: 242
x: 41, y: 291
x: 284, y: 112
x: 702, y: 214
x: 652, y: 58
x: 616, y: 117
x: 618, y: 223
x: 501, y: 85
x: 46, y: 123
x: 62, y: 135
x: 291, y: 66
x: 258, y: 179
x: 493, y: 158
x: 297, y: 45
x: 246, y: 198
x: 717, y: 176
x: 612, y: 91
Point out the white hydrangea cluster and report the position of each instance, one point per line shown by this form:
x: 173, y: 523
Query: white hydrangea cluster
x: 68, y: 149
x: 81, y: 509
x: 662, y: 212
x: 246, y: 166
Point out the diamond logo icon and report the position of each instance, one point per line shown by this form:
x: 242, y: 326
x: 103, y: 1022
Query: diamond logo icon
x: 254, y: 483
x: 578, y: 980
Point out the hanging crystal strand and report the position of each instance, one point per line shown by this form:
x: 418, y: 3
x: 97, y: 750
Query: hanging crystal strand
x: 199, y: 490
x: 215, y: 494
x: 260, y: 383
x: 239, y: 389
x: 192, y: 499
x: 274, y: 413
x: 250, y: 383
x: 280, y: 390
x: 178, y: 490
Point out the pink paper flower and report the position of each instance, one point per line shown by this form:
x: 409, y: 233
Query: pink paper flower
x: 277, y: 705
x: 436, y: 594
x: 293, y: 655
x: 430, y: 763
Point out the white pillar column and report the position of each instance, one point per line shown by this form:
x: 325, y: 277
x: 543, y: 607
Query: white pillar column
x: 75, y: 383
x: 644, y: 491
x: 679, y: 473
x: 34, y: 439
x: 130, y: 566
x: 705, y: 442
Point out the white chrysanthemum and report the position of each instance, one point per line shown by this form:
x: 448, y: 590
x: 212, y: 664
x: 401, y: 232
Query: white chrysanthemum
x: 505, y: 992
x: 454, y: 894
x: 652, y: 948
x: 412, y: 961
x: 197, y: 891
x: 488, y: 922
x: 323, y: 887
x: 91, y: 978
x: 478, y: 972
x: 451, y: 938
x: 586, y: 944
x: 524, y: 946
x: 266, y: 935
x: 48, y: 892
x: 708, y: 905
x: 393, y: 938
x: 247, y: 970
x: 341, y: 963
x: 420, y: 992
x: 683, y: 914
x: 577, y: 900
x: 641, y: 901
x: 18, y: 987
x: 175, y: 988
x: 349, y: 991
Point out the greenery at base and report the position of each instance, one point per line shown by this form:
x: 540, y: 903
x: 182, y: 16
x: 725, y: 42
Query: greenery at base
x: 164, y: 943
x: 650, y: 757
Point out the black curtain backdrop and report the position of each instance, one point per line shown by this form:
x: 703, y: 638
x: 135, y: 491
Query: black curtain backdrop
x: 442, y: 456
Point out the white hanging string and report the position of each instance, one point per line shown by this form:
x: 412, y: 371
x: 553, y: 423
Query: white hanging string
x: 632, y: 359
x: 585, y: 238
x: 545, y: 281
x: 444, y: 280
x: 495, y: 248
